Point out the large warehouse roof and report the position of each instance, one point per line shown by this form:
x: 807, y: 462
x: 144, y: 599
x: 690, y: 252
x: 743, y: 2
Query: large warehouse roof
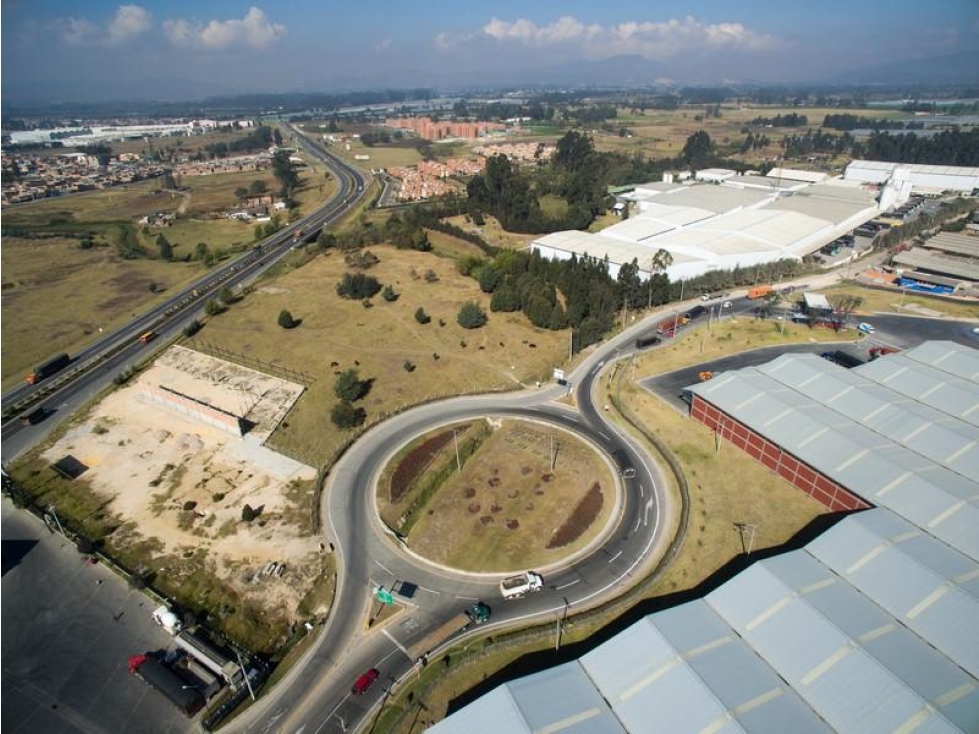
x: 872, y: 627
x: 923, y: 259
x: 913, y: 450
x: 710, y: 227
x: 953, y: 178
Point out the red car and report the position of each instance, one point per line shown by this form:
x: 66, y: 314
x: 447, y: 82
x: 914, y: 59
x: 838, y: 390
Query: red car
x: 364, y: 682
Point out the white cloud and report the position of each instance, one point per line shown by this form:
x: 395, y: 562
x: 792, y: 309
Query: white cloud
x: 383, y: 46
x: 652, y: 39
x: 254, y: 29
x: 129, y: 22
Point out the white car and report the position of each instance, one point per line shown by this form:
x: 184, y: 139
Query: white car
x: 866, y: 328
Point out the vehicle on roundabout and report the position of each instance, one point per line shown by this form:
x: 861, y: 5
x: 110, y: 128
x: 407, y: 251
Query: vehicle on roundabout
x: 515, y: 587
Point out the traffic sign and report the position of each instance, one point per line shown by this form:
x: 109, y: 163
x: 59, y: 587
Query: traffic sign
x: 384, y: 596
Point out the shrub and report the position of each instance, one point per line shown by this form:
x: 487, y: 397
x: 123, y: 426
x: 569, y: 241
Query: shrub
x: 213, y: 308
x: 345, y: 415
x: 409, y: 366
x: 388, y: 294
x: 421, y: 317
x: 358, y: 286
x: 349, y: 387
x: 471, y: 315
x: 192, y: 328
x: 285, y: 320
x: 248, y: 513
x: 189, y: 505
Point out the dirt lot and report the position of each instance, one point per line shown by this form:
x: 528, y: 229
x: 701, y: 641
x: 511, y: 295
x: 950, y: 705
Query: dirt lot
x: 507, y: 509
x: 173, y: 478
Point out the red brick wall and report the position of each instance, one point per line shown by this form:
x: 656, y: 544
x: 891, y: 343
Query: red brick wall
x: 821, y: 488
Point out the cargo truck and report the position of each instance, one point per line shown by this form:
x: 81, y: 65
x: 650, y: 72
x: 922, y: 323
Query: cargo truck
x: 157, y: 675
x: 669, y: 327
x: 477, y: 614
x: 515, y: 587
x: 759, y: 291
x: 46, y: 369
x: 35, y: 416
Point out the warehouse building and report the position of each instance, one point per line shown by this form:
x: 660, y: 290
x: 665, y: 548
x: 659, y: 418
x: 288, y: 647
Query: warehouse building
x: 744, y: 221
x: 872, y: 627
x: 924, y: 179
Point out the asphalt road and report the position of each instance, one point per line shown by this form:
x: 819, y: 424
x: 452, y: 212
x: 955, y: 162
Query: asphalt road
x: 68, y: 631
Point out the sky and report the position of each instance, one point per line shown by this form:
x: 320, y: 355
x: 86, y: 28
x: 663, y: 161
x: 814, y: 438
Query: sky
x: 58, y: 50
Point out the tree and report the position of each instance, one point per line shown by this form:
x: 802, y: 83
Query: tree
x: 659, y: 263
x: 489, y: 278
x: 421, y: 317
x: 241, y: 193
x: 357, y: 286
x: 256, y: 187
x: 213, y: 308
x: 349, y: 387
x: 163, y: 245
x: 202, y: 251
x: 248, y: 513
x: 698, y: 150
x: 192, y: 328
x: 286, y: 174
x: 226, y: 296
x: 472, y: 316
x: 286, y: 321
x: 344, y: 415
x: 388, y: 294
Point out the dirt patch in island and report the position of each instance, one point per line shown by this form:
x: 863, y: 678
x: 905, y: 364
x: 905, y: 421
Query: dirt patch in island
x: 589, y: 507
x: 480, y: 519
x: 178, y: 486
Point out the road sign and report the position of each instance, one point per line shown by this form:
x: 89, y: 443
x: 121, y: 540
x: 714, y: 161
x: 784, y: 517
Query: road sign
x: 384, y: 596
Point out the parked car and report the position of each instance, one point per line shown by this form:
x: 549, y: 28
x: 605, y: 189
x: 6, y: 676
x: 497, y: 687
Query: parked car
x: 364, y: 682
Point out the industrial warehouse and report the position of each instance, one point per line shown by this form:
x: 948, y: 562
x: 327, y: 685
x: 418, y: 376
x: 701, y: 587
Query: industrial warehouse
x: 727, y: 221
x: 871, y: 627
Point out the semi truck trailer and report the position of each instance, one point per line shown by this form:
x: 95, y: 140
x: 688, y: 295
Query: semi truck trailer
x: 157, y: 675
x: 477, y: 614
x: 46, y: 369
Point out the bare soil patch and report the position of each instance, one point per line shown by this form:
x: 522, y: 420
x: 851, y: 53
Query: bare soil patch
x: 176, y: 487
x: 479, y: 519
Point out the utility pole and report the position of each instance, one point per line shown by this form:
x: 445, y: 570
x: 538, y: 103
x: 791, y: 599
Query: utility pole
x: 241, y: 667
x: 552, y: 452
x: 455, y: 440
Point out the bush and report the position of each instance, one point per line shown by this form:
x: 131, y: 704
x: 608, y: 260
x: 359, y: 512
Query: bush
x: 471, y: 316
x: 388, y: 294
x: 285, y: 320
x: 345, y: 415
x: 213, y: 308
x: 189, y: 505
x: 248, y: 513
x: 409, y: 366
x: 192, y: 328
x: 357, y: 286
x: 349, y: 386
x: 421, y: 317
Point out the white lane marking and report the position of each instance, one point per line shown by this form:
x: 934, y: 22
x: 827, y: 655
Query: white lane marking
x: 468, y: 598
x: 397, y: 644
x: 430, y: 591
x: 604, y: 436
x: 642, y: 491
x: 645, y: 512
x: 610, y: 560
x: 638, y: 522
x: 385, y: 568
x: 565, y: 586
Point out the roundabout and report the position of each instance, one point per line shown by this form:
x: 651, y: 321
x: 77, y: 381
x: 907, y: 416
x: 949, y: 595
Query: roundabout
x: 620, y: 547
x: 497, y: 495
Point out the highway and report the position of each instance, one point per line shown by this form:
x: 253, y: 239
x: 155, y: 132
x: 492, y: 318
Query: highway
x: 92, y: 370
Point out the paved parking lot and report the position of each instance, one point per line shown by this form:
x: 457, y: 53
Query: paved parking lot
x: 68, y: 631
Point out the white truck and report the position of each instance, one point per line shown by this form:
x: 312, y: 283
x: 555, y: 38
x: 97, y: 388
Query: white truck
x: 515, y: 587
x: 167, y: 620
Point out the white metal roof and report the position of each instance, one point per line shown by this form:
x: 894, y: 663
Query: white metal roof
x: 784, y: 402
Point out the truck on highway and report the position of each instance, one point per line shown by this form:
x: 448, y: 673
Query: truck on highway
x: 157, y: 675
x: 669, y: 327
x: 46, y: 369
x: 477, y: 614
x: 647, y: 341
x: 759, y: 291
x: 515, y: 587
x: 35, y: 416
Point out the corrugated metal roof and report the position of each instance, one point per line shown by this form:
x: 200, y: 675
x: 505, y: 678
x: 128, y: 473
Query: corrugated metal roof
x: 926, y: 475
x: 926, y: 585
x: 808, y: 627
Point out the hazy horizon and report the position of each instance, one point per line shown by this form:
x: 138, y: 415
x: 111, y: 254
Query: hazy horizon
x: 60, y: 51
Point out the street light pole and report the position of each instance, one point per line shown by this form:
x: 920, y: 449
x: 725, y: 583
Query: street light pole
x: 241, y: 667
x: 455, y: 440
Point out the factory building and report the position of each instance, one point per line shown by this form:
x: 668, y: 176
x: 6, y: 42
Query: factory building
x: 924, y: 179
x: 740, y: 221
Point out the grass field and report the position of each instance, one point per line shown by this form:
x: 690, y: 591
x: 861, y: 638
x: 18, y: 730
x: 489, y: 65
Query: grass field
x: 105, y: 290
x: 877, y: 301
x: 56, y: 296
x: 379, y: 341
